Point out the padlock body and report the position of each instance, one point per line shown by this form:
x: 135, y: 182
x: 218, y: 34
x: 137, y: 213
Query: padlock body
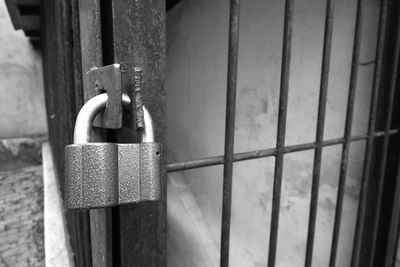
x: 108, y: 174
x: 90, y: 175
x: 139, y: 172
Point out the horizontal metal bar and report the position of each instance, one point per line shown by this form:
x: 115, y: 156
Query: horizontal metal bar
x: 263, y: 153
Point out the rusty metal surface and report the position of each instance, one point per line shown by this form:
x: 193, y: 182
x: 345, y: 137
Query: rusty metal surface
x: 269, y: 152
x: 233, y: 51
x: 322, y: 103
x: 113, y: 79
x: 105, y: 79
x: 138, y: 40
x: 368, y: 161
x: 89, y: 28
x: 137, y: 85
x: 347, y: 130
x: 281, y: 132
x: 89, y: 54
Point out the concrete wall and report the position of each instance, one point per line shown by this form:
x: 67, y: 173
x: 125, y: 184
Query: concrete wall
x: 197, y: 36
x: 22, y: 106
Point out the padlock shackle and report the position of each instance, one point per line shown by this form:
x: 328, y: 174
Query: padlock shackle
x: 148, y: 133
x: 84, y: 120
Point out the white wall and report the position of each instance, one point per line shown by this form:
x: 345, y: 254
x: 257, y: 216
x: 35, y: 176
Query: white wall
x: 22, y: 106
x: 197, y: 36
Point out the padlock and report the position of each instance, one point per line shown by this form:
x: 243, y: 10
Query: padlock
x: 108, y: 174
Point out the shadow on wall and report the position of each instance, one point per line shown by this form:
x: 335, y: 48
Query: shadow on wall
x: 22, y: 105
x: 197, y: 40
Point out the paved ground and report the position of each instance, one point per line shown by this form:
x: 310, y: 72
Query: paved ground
x: 21, y: 204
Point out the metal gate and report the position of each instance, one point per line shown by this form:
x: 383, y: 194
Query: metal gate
x: 79, y: 34
x: 374, y: 244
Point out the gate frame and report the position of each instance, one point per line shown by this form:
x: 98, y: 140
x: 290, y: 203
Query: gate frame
x: 77, y: 35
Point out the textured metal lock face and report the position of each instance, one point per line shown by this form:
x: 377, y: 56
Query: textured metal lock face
x: 107, y: 174
x: 139, y: 172
x: 91, y: 175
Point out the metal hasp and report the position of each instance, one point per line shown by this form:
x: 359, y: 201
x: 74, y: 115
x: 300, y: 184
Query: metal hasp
x: 109, y: 174
x: 105, y: 79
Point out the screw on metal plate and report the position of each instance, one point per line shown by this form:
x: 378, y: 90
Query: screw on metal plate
x: 108, y: 174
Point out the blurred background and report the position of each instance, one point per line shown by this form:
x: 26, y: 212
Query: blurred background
x: 23, y: 129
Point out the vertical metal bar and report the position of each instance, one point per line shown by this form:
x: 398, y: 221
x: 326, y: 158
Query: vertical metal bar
x: 391, y: 256
x: 229, y: 129
x: 394, y: 228
x: 385, y: 146
x: 90, y: 34
x: 371, y: 128
x: 280, y: 142
x: 347, y: 130
x: 90, y: 43
x: 320, y: 129
x: 138, y: 40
